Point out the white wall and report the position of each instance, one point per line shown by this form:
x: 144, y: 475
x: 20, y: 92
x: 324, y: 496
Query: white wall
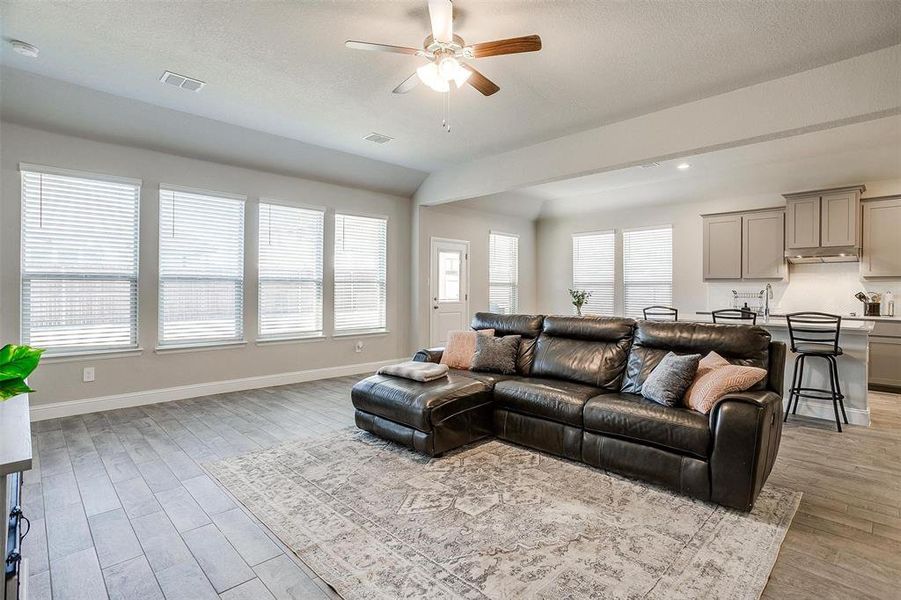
x: 473, y: 226
x: 58, y: 380
x: 824, y: 287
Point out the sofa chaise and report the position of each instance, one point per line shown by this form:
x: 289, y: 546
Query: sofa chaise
x: 577, y: 394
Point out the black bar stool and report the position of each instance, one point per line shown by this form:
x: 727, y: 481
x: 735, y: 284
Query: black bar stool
x: 815, y: 334
x: 734, y: 314
x: 661, y: 313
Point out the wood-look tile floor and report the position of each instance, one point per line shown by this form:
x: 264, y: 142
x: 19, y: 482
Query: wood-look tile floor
x: 121, y: 509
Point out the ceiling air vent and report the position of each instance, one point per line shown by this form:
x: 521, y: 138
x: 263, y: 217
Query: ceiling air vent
x: 378, y: 138
x: 182, y: 81
x: 650, y: 165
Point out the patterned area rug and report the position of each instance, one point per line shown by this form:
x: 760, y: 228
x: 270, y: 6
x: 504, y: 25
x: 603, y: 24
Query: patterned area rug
x: 375, y: 520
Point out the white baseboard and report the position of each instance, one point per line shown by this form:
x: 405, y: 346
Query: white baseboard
x: 54, y: 410
x: 823, y: 409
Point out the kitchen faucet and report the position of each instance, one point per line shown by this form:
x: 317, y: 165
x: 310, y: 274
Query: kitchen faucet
x: 768, y: 293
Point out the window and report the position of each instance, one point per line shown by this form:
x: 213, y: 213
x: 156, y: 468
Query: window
x: 361, y: 245
x: 593, y: 270
x: 290, y: 271
x: 503, y: 273
x: 201, y: 268
x: 647, y: 269
x: 449, y: 275
x: 79, y: 260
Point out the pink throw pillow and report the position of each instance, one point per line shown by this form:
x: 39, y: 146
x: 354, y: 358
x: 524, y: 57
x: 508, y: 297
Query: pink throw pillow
x: 715, y: 378
x: 461, y: 347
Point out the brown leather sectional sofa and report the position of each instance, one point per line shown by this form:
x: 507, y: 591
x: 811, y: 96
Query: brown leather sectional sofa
x: 576, y: 394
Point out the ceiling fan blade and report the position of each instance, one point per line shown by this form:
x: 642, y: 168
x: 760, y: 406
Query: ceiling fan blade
x: 441, y: 13
x: 481, y: 83
x: 526, y: 43
x: 407, y: 84
x: 381, y: 47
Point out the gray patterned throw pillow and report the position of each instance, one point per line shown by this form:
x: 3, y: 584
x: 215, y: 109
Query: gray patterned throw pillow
x: 670, y: 379
x: 496, y: 354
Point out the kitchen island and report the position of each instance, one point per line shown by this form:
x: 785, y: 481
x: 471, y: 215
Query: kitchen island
x: 853, y: 368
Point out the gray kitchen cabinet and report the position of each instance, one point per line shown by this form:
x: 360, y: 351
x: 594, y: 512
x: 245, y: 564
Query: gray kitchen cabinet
x: 885, y: 356
x: 839, y: 222
x: 763, y: 243
x: 802, y: 222
x: 881, y: 237
x: 722, y: 246
x: 745, y: 245
x: 823, y: 219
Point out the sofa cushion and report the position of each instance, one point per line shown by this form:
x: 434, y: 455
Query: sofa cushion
x: 739, y: 344
x: 589, y: 350
x: 560, y: 401
x: 526, y: 326
x: 490, y: 379
x: 417, y: 404
x: 670, y: 378
x: 461, y: 347
x: 631, y: 417
x: 496, y: 354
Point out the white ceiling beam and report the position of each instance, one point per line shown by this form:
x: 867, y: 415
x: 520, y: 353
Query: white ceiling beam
x: 858, y: 89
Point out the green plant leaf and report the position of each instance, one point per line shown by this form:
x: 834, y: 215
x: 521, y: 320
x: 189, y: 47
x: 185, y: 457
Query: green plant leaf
x: 13, y: 387
x: 17, y: 362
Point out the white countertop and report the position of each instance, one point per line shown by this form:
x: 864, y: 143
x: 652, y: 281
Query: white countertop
x: 780, y: 323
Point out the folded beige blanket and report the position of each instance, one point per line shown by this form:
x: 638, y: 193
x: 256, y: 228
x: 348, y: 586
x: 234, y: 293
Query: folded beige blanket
x: 415, y: 370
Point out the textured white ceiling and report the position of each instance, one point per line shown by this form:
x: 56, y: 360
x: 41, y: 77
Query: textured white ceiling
x: 848, y: 155
x: 281, y: 67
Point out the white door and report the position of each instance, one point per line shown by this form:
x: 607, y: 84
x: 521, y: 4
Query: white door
x: 448, y: 289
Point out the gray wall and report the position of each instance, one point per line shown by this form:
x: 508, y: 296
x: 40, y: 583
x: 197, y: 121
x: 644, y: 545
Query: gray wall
x: 457, y: 223
x: 807, y: 283
x: 61, y: 379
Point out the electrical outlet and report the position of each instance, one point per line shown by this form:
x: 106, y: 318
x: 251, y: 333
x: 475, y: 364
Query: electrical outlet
x: 358, y: 347
x: 88, y: 375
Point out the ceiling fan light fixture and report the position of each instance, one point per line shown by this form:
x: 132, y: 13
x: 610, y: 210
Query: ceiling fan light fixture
x: 448, y: 68
x: 429, y: 75
x: 462, y: 75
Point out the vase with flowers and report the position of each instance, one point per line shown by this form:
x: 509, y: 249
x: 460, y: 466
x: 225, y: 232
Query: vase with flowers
x: 579, y: 298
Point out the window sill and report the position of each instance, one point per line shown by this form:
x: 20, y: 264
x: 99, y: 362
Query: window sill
x: 179, y: 349
x: 361, y: 333
x: 74, y: 356
x: 290, y: 340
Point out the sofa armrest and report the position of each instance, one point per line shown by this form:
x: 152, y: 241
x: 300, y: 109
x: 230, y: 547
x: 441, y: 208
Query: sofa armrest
x: 746, y: 428
x: 432, y: 355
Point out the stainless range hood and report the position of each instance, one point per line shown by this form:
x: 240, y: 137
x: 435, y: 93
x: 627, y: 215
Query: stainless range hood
x: 803, y: 256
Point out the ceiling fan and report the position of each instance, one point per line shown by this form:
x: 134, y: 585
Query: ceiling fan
x: 445, y: 51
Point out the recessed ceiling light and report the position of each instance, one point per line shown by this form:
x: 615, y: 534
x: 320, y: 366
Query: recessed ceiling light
x: 25, y: 49
x: 683, y: 166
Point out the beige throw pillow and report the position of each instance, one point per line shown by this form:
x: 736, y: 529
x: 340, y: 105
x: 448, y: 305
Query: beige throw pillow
x: 461, y: 347
x: 715, y: 378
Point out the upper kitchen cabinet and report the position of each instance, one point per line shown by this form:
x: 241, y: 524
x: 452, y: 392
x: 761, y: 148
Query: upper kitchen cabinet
x: 763, y: 243
x: 722, y: 246
x: 823, y: 224
x: 839, y: 223
x: 881, y: 237
x: 745, y: 245
x: 802, y: 222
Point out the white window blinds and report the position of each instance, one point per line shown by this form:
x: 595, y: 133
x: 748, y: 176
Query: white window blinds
x: 201, y: 267
x: 503, y: 273
x: 593, y: 270
x: 79, y: 260
x: 647, y: 269
x: 361, y: 245
x: 290, y: 271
